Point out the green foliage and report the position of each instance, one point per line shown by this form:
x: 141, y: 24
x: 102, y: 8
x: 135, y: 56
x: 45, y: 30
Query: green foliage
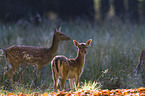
x: 116, y: 46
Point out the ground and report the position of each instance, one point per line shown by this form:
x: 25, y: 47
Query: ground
x: 117, y: 92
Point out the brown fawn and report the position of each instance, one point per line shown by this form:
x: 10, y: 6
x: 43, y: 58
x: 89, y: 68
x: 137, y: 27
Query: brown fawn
x: 71, y: 69
x: 141, y: 62
x: 32, y: 55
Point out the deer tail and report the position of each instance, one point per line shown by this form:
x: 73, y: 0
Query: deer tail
x: 2, y: 52
x: 56, y: 64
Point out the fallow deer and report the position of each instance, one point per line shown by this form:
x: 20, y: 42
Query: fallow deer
x: 32, y: 55
x: 141, y: 62
x: 71, y: 69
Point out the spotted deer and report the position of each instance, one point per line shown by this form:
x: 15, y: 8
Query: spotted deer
x: 141, y: 62
x: 17, y: 55
x: 71, y: 69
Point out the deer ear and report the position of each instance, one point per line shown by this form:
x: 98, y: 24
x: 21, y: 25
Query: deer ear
x: 55, y: 29
x: 88, y: 42
x: 76, y: 43
x: 60, y: 28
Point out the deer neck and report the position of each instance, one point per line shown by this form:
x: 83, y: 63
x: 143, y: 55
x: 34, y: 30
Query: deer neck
x: 80, y: 59
x: 55, y: 44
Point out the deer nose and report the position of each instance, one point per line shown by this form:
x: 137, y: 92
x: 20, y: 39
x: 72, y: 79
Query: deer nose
x: 69, y: 38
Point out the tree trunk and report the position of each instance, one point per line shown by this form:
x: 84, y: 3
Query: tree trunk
x: 104, y: 8
x: 119, y: 8
x: 133, y: 10
x: 76, y: 8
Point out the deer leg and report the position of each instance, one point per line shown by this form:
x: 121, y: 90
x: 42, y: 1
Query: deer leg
x: 71, y: 84
x: 10, y: 75
x: 63, y: 82
x: 55, y: 79
x: 11, y: 72
x: 38, y: 72
x: 76, y: 81
x: 55, y: 83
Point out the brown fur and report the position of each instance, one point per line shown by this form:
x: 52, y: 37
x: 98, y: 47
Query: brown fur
x: 30, y: 55
x: 141, y: 61
x: 71, y: 69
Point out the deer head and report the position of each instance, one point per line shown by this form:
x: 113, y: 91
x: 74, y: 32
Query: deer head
x: 82, y: 47
x: 60, y: 36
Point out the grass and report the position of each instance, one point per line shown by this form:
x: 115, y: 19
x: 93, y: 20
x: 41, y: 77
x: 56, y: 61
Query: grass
x: 116, y: 46
x: 95, y: 85
x: 90, y: 86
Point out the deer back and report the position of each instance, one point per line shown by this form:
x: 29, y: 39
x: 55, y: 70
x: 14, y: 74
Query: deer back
x: 26, y: 54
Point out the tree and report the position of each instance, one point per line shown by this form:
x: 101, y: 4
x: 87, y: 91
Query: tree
x: 76, y: 8
x: 104, y: 8
x: 13, y: 10
x: 119, y: 8
x: 133, y: 10
x: 143, y: 7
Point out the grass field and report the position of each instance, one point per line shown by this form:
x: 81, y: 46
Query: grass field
x: 116, y: 46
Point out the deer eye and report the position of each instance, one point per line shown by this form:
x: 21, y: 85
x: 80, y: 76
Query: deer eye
x: 60, y: 34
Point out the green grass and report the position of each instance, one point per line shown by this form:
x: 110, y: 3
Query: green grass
x: 116, y: 46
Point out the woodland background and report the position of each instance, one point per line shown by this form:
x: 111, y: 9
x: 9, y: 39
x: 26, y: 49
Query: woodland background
x: 116, y: 27
x: 13, y: 10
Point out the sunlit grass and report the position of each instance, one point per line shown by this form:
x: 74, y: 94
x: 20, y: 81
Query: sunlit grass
x: 90, y: 85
